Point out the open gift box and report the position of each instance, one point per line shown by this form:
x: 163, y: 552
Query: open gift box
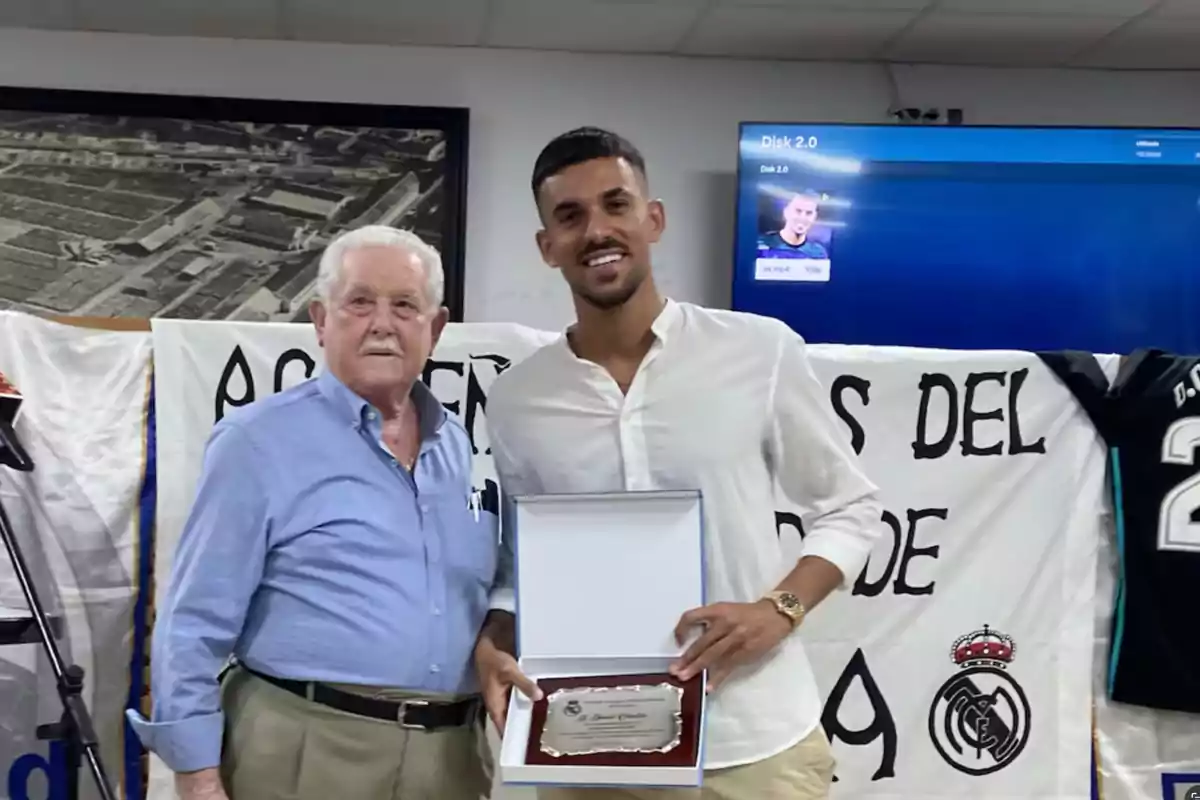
x: 10, y: 400
x: 601, y: 581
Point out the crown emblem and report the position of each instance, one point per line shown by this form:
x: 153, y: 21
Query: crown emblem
x: 984, y: 648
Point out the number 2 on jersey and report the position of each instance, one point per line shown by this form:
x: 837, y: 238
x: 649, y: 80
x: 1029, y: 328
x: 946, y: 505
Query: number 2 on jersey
x: 1177, y: 530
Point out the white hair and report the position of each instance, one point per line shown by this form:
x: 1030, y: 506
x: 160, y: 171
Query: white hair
x: 335, y: 253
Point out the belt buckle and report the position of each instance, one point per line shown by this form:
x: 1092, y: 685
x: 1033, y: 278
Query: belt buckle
x: 403, y: 711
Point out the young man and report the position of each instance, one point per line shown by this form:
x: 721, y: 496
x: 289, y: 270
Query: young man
x: 799, y: 216
x: 645, y: 393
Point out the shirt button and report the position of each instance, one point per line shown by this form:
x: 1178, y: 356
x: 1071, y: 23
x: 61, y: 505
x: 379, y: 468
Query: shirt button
x: 437, y: 612
x: 370, y: 415
x: 434, y: 668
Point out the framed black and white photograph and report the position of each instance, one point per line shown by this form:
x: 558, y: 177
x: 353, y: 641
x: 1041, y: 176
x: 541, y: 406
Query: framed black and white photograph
x: 136, y: 205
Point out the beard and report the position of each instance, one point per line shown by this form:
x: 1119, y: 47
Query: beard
x: 611, y: 297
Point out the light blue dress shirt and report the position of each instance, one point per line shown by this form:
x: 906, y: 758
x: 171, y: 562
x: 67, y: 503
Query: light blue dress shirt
x: 311, y: 553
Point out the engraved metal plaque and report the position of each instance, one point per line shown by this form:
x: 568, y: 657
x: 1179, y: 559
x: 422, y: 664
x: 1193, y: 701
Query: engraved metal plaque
x: 613, y: 719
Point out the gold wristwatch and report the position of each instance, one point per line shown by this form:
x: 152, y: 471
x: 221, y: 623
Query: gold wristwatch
x: 788, y: 605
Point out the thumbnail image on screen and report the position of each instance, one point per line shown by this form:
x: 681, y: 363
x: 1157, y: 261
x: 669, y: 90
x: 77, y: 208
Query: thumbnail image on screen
x: 795, y: 234
x: 972, y: 237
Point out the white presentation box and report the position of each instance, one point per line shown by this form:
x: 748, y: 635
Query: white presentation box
x: 601, y: 581
x: 10, y: 400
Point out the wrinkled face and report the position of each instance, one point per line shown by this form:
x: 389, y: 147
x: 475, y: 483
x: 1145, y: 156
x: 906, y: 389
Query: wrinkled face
x: 377, y: 326
x: 800, y: 214
x: 598, y: 229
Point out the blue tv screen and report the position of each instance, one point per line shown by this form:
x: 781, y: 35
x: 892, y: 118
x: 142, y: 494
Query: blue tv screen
x: 972, y: 237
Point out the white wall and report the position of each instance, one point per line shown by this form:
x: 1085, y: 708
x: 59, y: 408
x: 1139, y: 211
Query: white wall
x: 683, y: 113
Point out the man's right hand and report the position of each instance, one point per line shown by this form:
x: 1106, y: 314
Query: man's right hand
x: 498, y: 674
x: 202, y: 785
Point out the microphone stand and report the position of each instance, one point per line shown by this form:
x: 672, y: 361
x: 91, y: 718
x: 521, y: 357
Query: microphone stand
x: 74, y: 728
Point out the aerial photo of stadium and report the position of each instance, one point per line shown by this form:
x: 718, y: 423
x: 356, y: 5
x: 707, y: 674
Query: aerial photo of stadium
x: 148, y: 217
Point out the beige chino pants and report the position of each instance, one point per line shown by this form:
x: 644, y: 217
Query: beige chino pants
x: 802, y: 772
x: 282, y: 747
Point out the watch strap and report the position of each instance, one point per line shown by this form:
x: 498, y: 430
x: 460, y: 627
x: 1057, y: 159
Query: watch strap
x: 788, y: 605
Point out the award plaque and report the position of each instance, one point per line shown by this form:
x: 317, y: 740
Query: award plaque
x: 616, y: 720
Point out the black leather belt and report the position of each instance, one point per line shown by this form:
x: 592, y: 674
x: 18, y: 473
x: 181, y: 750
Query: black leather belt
x: 407, y: 713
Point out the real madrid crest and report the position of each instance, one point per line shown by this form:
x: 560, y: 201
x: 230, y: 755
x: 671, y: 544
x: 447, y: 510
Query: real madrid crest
x: 979, y: 719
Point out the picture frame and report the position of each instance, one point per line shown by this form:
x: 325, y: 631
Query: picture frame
x: 121, y: 204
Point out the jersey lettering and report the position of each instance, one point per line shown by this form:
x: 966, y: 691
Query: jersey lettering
x: 1186, y: 390
x: 1178, y: 528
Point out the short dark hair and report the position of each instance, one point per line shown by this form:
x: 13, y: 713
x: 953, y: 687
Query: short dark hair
x: 580, y: 145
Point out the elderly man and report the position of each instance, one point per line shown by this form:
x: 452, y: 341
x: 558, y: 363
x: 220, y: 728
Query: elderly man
x: 334, y: 553
x: 649, y: 393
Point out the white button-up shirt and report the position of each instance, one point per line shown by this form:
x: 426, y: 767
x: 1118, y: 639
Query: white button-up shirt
x: 726, y: 403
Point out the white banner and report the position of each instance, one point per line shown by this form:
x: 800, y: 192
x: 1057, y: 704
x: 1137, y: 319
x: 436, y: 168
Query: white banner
x: 954, y: 666
x: 992, y: 480
x: 78, y: 517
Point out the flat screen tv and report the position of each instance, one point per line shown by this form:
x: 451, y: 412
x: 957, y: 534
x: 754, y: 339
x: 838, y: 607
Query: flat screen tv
x: 971, y: 237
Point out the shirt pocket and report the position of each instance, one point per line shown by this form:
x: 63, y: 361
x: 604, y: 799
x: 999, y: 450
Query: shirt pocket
x: 470, y: 538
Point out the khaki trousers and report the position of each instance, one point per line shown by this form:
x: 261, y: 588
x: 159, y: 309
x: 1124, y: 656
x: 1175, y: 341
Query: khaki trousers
x: 282, y: 747
x: 802, y: 772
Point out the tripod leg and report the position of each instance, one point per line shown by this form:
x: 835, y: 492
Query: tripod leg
x: 74, y: 758
x: 75, y: 729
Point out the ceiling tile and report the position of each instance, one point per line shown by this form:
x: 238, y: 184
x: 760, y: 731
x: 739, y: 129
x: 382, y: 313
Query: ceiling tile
x: 243, y: 19
x: 794, y: 33
x: 1178, y: 8
x: 1150, y: 43
x: 834, y: 5
x: 695, y: 4
x: 413, y: 22
x: 1093, y: 8
x: 590, y: 25
x: 35, y: 14
x: 999, y: 39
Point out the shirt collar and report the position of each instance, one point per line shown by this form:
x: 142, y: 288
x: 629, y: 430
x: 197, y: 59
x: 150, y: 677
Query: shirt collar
x: 667, y: 320
x: 664, y: 324
x: 431, y: 414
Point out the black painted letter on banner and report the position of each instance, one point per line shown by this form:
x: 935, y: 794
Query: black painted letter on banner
x: 1015, y: 445
x: 477, y: 398
x: 237, y: 360
x: 911, y: 551
x: 295, y: 354
x: 862, y: 386
x: 971, y: 416
x: 788, y: 518
x: 432, y: 366
x: 866, y: 588
x: 922, y: 448
x: 882, y: 723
